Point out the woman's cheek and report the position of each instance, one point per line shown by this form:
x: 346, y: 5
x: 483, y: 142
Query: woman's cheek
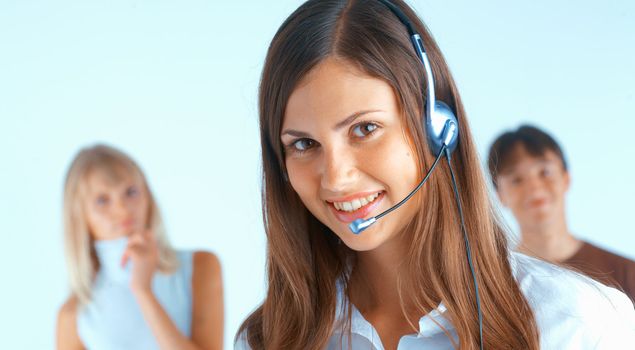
x: 305, y: 181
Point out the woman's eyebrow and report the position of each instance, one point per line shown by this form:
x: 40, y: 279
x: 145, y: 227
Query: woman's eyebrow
x: 294, y: 133
x: 347, y: 121
x: 351, y: 118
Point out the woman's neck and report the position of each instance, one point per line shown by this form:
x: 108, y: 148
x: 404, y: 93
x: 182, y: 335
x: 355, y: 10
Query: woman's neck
x: 374, y: 290
x: 376, y: 279
x: 109, y: 254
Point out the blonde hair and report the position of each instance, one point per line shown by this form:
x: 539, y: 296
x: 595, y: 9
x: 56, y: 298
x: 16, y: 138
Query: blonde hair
x: 80, y: 254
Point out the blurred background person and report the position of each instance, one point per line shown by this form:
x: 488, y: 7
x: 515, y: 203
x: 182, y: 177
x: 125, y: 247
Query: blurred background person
x: 531, y: 177
x: 129, y: 288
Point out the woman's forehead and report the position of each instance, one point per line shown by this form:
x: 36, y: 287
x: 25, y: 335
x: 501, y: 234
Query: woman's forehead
x: 112, y: 174
x: 334, y: 90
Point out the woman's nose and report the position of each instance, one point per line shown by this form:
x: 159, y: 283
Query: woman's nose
x: 339, y: 170
x: 120, y: 208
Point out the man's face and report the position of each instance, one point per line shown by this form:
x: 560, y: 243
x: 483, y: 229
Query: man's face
x: 534, y: 187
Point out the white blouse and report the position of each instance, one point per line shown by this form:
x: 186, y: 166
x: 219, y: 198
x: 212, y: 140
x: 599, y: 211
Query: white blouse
x: 572, y: 312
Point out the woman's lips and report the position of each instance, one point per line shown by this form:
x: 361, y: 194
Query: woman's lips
x: 127, y: 224
x: 538, y: 202
x: 362, y: 212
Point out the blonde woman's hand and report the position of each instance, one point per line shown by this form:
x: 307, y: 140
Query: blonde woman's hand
x: 143, y: 253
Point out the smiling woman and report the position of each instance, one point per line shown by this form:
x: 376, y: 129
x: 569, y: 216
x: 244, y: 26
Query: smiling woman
x: 353, y: 149
x: 129, y: 288
x: 345, y: 109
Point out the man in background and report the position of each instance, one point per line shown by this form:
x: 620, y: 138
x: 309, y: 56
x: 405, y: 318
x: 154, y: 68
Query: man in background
x: 530, y: 174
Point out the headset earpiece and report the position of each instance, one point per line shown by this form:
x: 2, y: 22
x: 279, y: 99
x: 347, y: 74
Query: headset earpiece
x: 436, y: 125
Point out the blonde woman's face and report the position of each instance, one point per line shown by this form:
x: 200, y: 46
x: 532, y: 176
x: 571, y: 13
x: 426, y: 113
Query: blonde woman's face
x: 347, y: 155
x: 115, y: 209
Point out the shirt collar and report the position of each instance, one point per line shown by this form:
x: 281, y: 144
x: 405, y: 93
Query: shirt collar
x: 430, y: 324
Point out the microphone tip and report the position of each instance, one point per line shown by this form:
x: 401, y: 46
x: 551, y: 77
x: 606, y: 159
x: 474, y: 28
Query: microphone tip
x: 359, y: 225
x: 355, y: 226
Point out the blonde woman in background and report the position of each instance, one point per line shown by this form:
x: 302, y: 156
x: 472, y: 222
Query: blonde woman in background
x: 129, y: 288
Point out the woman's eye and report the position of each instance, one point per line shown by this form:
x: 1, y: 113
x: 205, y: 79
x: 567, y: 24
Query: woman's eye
x: 364, y: 129
x: 132, y: 191
x: 303, y: 144
x: 101, y: 200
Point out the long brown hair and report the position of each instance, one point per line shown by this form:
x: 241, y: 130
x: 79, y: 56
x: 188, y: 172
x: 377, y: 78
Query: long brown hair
x: 304, y: 260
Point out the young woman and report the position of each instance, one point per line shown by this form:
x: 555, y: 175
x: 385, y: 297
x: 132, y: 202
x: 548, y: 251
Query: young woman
x: 129, y: 288
x: 343, y: 119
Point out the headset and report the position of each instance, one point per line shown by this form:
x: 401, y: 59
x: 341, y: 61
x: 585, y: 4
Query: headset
x: 442, y: 133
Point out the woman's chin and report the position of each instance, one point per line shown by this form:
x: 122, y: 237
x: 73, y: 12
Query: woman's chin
x: 366, y: 240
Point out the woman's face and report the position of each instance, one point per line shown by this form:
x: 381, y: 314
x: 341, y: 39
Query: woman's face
x: 115, y: 209
x: 347, y: 152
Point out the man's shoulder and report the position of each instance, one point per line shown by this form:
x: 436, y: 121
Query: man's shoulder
x: 590, y: 250
x: 559, y: 289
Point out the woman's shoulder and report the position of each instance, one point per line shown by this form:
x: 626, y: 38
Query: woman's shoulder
x: 69, y: 308
x: 199, y: 270
x: 66, y: 324
x: 570, y: 307
x: 206, y: 261
x: 206, y: 271
x: 198, y: 256
x: 198, y: 260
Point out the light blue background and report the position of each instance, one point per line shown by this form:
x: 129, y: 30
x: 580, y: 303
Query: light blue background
x: 174, y: 84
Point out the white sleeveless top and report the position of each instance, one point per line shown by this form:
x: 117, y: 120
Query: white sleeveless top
x: 113, y: 319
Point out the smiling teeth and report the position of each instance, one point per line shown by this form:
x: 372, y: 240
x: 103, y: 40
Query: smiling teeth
x: 355, y: 203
